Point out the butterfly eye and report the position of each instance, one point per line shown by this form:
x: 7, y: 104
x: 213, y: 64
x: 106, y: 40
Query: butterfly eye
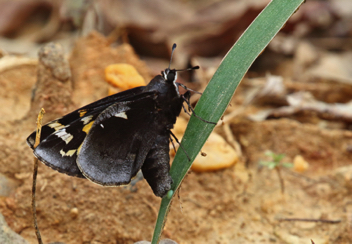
x: 171, y: 76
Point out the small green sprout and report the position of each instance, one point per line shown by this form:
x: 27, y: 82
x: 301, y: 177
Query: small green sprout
x: 275, y: 163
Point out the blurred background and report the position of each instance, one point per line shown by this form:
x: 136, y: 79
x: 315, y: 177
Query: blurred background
x: 277, y: 168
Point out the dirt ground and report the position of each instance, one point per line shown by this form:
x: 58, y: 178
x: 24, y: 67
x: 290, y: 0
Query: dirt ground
x: 295, y: 100
x: 241, y: 204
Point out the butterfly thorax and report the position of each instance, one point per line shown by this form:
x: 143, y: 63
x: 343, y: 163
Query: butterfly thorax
x: 168, y: 100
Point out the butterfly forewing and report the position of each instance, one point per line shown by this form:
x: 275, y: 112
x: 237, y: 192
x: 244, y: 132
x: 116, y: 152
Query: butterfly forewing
x: 94, y: 108
x: 61, y: 138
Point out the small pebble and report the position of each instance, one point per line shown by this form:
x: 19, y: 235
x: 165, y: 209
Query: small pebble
x: 216, y: 153
x: 74, y: 212
x: 219, y: 155
x: 123, y: 76
x: 300, y: 164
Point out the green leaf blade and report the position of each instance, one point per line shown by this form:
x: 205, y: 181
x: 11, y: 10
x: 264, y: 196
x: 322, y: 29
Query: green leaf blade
x: 220, y: 90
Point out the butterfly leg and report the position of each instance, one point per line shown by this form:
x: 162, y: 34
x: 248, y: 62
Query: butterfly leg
x: 156, y: 166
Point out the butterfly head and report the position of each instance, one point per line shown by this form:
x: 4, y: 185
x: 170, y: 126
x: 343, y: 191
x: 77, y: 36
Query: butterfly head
x: 170, y: 76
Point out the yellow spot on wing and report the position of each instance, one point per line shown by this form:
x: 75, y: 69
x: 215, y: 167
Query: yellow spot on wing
x: 82, y: 112
x: 87, y: 127
x: 79, y: 149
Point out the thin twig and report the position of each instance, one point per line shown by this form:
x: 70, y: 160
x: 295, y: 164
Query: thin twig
x: 327, y: 221
x: 299, y: 175
x: 228, y: 117
x: 151, y: 207
x: 231, y: 139
x: 35, y: 172
x: 282, y: 183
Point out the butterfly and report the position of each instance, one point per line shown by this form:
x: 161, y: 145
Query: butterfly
x: 110, y: 140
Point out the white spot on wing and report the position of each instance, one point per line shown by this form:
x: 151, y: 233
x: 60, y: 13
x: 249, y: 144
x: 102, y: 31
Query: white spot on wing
x: 102, y: 126
x: 69, y: 153
x: 66, y: 137
x: 87, y: 119
x: 56, y: 125
x: 121, y: 115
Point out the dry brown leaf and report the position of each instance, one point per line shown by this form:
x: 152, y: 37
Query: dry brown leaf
x: 304, y: 101
x: 336, y: 67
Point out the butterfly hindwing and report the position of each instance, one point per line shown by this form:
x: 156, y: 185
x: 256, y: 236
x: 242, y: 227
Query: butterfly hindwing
x: 119, y: 141
x: 156, y: 166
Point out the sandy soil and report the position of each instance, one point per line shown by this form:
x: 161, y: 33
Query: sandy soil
x: 242, y: 204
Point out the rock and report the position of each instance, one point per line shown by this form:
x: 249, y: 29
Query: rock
x: 8, y: 236
x: 343, y: 175
x: 7, y: 185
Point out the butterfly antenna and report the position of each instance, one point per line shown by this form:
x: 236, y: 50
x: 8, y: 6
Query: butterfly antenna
x: 192, y: 68
x: 172, y: 53
x: 182, y: 85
